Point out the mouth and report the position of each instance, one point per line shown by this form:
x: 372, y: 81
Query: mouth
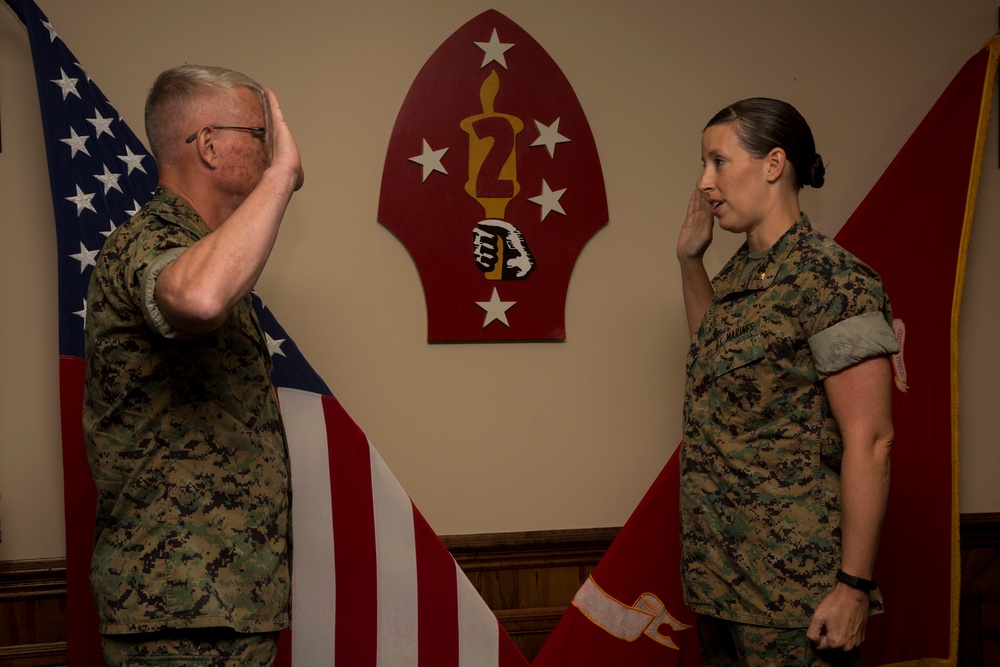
x: 715, y: 204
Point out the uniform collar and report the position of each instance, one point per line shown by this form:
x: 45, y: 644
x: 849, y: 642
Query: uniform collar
x: 172, y: 207
x: 728, y: 279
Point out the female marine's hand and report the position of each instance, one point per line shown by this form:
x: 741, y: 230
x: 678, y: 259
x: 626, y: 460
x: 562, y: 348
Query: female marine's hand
x: 696, y: 232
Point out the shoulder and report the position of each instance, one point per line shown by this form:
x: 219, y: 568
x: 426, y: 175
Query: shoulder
x: 824, y: 261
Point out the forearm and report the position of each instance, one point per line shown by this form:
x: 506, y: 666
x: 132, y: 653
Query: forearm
x: 860, y: 398
x: 864, y: 489
x: 697, y: 290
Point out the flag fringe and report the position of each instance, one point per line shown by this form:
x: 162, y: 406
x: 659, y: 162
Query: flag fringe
x: 989, y: 82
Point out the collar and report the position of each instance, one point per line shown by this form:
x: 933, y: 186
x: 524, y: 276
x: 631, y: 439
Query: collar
x: 728, y: 279
x: 173, y: 208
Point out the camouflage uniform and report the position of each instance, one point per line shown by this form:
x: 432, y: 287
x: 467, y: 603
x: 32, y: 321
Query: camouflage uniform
x: 760, y: 463
x: 186, y: 447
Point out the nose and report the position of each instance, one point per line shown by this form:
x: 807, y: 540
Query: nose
x: 704, y: 181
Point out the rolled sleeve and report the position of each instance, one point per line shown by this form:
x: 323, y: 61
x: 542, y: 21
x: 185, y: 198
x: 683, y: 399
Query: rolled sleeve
x: 851, y: 341
x: 150, y: 310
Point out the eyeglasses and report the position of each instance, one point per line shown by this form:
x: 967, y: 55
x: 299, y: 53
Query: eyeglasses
x: 255, y: 130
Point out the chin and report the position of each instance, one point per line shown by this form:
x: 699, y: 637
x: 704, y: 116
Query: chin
x: 730, y: 225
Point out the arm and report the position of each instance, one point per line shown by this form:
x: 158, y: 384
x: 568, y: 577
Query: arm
x: 860, y: 398
x: 695, y: 237
x: 196, y: 292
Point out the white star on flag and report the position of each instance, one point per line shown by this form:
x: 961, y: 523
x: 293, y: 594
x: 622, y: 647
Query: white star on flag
x: 112, y: 228
x: 67, y: 83
x: 82, y: 201
x: 82, y: 313
x: 132, y: 160
x: 52, y: 31
x: 273, y: 345
x: 86, y: 257
x: 430, y: 160
x: 493, y: 50
x: 135, y: 209
x: 110, y: 180
x: 549, y: 200
x: 495, y: 309
x: 76, y: 142
x: 88, y: 77
x: 548, y: 136
x: 101, y: 124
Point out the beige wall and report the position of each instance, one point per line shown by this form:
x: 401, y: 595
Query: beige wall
x: 597, y: 415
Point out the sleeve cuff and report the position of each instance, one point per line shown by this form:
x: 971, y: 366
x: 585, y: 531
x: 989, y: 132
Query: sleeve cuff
x: 150, y: 311
x: 851, y: 341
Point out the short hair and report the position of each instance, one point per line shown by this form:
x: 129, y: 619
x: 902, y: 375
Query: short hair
x: 177, y: 88
x: 763, y: 124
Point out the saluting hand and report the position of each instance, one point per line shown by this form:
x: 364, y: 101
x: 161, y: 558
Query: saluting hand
x: 284, y: 151
x: 696, y: 232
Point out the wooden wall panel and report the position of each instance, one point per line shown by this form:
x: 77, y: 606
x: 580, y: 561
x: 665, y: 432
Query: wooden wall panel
x: 527, y: 579
x: 33, y: 613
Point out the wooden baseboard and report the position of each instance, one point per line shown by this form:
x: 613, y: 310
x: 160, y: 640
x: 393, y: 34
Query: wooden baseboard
x: 528, y: 579
x: 33, y: 609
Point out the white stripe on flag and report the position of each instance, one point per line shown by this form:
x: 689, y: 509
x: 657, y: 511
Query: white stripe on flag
x: 478, y: 630
x: 395, y: 548
x: 314, y: 602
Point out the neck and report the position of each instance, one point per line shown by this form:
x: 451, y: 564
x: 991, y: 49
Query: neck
x: 193, y: 190
x: 778, y: 220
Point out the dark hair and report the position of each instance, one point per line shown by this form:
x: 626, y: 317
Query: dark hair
x: 763, y: 124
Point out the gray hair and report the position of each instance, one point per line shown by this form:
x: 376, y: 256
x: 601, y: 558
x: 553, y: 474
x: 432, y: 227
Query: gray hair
x: 177, y: 88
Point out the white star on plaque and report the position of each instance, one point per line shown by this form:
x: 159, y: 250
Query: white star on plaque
x: 495, y: 309
x: 548, y: 136
x: 493, y: 50
x: 549, y: 200
x: 430, y: 160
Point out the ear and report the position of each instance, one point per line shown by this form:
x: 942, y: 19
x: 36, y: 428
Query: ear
x: 775, y: 164
x: 205, y: 143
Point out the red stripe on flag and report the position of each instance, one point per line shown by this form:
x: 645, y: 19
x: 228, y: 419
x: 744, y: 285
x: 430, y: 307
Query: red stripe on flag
x: 83, y: 642
x: 354, y: 543
x: 437, y: 598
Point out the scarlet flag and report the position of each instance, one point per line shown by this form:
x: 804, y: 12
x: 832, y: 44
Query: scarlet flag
x: 917, y: 216
x: 372, y: 583
x: 631, y: 609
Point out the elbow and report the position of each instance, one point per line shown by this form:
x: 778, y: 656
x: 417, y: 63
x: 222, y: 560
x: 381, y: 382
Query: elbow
x: 195, y: 311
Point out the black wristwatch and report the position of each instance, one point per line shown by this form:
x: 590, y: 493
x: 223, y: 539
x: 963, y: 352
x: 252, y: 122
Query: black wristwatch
x: 866, y: 585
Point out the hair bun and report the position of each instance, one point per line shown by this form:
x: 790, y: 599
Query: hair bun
x: 817, y: 174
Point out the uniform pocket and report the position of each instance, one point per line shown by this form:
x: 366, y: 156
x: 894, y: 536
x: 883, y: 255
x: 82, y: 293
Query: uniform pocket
x: 746, y: 393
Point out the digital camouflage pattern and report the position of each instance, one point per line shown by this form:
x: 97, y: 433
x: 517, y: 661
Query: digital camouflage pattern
x: 204, y: 648
x: 760, y: 462
x: 186, y: 447
x: 724, y: 644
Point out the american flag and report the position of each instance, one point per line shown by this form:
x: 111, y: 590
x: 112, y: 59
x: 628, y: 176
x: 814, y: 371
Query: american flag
x: 373, y: 585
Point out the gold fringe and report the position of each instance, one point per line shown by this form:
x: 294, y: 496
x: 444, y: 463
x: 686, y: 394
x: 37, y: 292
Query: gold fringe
x: 963, y: 252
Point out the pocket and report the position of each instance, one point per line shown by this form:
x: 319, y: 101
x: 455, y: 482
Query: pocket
x: 747, y: 392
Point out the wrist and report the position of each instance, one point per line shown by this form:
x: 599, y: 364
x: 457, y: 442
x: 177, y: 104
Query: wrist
x: 857, y: 583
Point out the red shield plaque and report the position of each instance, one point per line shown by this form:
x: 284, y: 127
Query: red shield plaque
x: 493, y: 183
